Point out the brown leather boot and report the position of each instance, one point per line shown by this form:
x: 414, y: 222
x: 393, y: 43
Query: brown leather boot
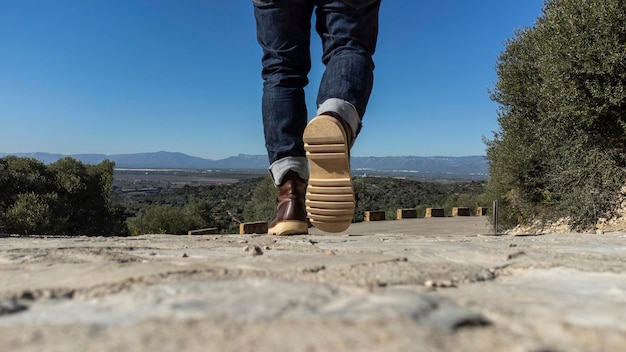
x: 291, y: 211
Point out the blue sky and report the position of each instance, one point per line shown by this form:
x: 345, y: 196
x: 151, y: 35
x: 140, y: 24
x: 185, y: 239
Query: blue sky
x: 130, y: 76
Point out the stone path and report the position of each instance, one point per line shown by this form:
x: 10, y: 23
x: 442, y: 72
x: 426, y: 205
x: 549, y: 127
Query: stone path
x: 409, y: 285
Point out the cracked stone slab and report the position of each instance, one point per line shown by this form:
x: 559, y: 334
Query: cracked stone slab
x: 249, y: 300
x: 584, y: 299
x: 388, y: 286
x: 585, y: 311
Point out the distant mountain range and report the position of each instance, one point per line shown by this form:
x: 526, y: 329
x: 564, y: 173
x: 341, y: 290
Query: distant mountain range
x: 466, y: 165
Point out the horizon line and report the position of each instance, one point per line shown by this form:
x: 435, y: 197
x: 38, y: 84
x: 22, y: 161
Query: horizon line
x: 240, y: 154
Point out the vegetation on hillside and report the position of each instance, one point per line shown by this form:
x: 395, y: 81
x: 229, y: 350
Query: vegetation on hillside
x: 71, y: 198
x: 177, y: 210
x: 65, y: 197
x: 560, y: 151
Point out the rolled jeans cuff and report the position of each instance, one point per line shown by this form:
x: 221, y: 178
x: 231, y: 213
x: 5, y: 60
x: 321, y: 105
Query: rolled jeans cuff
x: 344, y: 110
x: 279, y: 168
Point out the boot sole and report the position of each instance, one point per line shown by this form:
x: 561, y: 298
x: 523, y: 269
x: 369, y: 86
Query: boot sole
x: 289, y: 227
x: 330, y: 194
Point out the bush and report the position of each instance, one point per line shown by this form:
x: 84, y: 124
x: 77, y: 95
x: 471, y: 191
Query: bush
x: 562, y: 93
x: 262, y: 206
x: 66, y: 197
x: 165, y: 219
x: 30, y: 213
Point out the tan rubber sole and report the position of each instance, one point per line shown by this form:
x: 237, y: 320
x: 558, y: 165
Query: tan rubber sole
x: 330, y: 194
x: 289, y: 227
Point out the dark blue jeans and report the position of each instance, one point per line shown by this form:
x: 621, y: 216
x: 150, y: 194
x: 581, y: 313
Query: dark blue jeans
x: 349, y: 30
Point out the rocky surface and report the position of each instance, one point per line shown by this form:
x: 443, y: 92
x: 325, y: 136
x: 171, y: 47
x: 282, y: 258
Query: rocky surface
x: 423, y: 284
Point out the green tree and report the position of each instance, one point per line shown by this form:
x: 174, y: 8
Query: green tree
x: 262, y: 206
x: 85, y: 194
x: 560, y: 150
x: 66, y: 197
x: 30, y: 213
x: 21, y: 175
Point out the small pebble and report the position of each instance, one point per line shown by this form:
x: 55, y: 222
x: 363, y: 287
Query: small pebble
x: 314, y: 270
x: 330, y: 252
x: 184, y: 255
x: 152, y: 253
x: 516, y: 255
x: 447, y: 283
x: 11, y: 307
x: 267, y: 248
x: 256, y: 251
x: 246, y: 249
x: 441, y: 284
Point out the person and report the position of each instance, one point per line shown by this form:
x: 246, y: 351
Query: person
x: 317, y: 153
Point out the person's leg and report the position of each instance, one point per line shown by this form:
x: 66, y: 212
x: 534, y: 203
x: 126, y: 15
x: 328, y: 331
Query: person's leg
x: 349, y: 32
x: 283, y: 31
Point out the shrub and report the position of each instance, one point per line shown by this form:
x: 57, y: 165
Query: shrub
x: 30, y: 213
x: 262, y: 206
x: 66, y: 197
x: 562, y: 93
x: 164, y: 219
